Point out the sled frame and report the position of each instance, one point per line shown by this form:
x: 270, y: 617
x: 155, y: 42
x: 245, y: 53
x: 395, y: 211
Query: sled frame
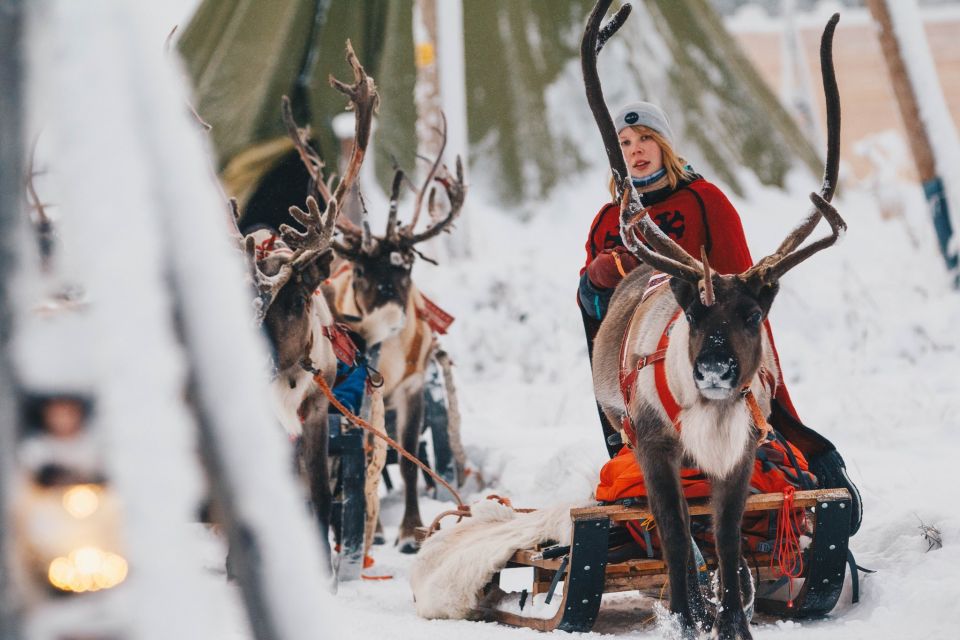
x: 589, y: 574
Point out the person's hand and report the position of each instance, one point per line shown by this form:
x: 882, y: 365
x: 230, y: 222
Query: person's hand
x: 608, y: 268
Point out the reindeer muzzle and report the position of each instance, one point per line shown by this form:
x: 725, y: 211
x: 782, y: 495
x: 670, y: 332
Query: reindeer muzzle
x: 715, y: 375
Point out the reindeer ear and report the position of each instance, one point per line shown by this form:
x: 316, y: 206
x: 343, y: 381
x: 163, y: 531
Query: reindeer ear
x: 766, y: 294
x: 762, y: 289
x: 685, y: 292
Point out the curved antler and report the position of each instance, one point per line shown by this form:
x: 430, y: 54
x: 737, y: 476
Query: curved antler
x: 832, y: 167
x: 364, y: 101
x: 658, y: 260
x: 456, y: 193
x: 787, y: 256
x: 394, y: 199
x: 430, y: 174
x: 632, y: 213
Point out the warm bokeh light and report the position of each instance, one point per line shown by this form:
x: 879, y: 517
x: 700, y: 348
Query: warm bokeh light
x: 87, y: 569
x: 82, y: 500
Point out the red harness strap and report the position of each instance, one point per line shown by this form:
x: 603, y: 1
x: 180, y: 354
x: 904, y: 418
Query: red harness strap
x: 660, y: 374
x: 266, y: 247
x: 669, y: 403
x: 629, y: 378
x: 343, y: 346
x: 438, y: 319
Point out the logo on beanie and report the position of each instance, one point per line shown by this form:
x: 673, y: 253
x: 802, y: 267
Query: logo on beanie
x: 631, y: 117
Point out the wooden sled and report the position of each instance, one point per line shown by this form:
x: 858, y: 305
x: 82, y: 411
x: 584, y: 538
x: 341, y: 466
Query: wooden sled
x: 587, y: 572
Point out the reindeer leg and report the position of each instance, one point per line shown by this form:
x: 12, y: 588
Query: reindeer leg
x: 315, y: 442
x: 659, y: 457
x: 410, y: 419
x: 729, y: 496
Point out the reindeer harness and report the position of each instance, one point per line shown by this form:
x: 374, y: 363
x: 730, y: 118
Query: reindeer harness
x: 628, y: 375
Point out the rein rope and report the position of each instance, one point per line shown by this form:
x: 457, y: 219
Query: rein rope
x: 363, y: 424
x: 788, y: 560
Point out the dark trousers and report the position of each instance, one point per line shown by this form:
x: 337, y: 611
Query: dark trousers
x: 611, y: 436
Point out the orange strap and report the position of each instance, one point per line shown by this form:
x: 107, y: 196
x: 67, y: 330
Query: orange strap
x: 616, y: 259
x: 759, y: 421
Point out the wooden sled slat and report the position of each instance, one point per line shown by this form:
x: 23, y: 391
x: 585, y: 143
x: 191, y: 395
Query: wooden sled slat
x: 761, y: 502
x: 589, y: 575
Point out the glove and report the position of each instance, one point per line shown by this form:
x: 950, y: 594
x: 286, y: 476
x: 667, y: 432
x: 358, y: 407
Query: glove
x: 608, y: 268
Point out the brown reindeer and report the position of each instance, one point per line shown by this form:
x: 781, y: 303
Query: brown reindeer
x: 374, y: 295
x: 377, y: 298
x: 713, y: 363
x: 288, y: 269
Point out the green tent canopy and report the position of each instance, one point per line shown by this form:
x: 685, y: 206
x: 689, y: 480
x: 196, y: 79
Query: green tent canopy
x: 525, y: 104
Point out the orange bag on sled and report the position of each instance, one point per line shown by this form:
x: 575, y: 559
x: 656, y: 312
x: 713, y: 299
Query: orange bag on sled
x: 773, y: 470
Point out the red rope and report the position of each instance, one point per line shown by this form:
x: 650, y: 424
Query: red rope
x: 788, y: 557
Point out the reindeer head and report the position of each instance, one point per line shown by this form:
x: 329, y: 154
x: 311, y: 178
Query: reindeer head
x: 382, y: 265
x: 724, y: 346
x: 287, y: 271
x: 725, y: 313
x: 288, y: 277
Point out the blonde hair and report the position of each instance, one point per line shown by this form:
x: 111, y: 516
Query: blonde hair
x: 675, y: 165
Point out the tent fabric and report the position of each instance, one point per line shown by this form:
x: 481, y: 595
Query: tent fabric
x: 521, y: 71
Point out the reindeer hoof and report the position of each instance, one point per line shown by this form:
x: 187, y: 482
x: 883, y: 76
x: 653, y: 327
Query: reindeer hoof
x: 379, y: 538
x: 734, y: 626
x: 408, y: 545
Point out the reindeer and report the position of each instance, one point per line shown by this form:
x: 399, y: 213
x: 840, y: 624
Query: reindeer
x: 713, y: 363
x: 288, y: 269
x: 374, y: 295
x: 377, y: 298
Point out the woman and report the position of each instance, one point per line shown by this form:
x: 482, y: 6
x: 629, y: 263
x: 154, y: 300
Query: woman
x: 688, y: 208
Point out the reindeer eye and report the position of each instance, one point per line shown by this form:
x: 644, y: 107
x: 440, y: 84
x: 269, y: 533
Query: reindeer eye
x: 690, y: 319
x: 754, y: 319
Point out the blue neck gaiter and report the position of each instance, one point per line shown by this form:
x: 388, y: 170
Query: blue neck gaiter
x: 646, y: 181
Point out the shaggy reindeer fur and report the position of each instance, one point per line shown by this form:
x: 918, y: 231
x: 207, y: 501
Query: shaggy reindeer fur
x: 455, y: 563
x: 713, y: 449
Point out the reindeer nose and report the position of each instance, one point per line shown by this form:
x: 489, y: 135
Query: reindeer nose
x: 715, y: 370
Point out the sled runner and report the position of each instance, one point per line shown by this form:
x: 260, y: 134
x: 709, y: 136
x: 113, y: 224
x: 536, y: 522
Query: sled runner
x: 575, y: 577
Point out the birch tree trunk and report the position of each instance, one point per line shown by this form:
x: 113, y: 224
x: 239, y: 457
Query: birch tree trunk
x: 925, y: 116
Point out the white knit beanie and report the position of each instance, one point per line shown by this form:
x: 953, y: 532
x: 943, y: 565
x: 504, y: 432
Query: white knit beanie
x: 646, y: 114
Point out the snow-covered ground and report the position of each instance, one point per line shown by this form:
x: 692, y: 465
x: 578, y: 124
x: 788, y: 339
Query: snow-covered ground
x: 867, y: 333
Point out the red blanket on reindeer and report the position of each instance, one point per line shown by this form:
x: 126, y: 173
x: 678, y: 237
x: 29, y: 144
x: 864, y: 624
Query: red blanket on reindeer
x: 776, y: 467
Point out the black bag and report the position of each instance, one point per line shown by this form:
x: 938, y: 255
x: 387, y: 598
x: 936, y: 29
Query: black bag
x: 825, y: 461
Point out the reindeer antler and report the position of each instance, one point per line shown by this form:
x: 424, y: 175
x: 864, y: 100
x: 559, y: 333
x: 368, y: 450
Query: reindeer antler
x: 456, y: 193
x: 319, y: 230
x: 787, y: 255
x: 364, y: 102
x: 311, y: 160
x: 667, y: 255
x: 670, y: 257
x: 394, y: 203
x: 431, y: 173
x: 305, y: 248
x: 832, y: 166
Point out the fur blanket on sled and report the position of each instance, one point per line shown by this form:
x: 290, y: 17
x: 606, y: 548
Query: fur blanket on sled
x: 455, y: 563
